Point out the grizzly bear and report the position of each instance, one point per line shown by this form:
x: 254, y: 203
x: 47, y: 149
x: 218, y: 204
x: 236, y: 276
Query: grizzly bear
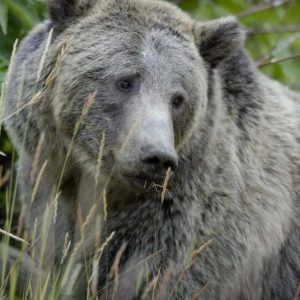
x: 152, y: 148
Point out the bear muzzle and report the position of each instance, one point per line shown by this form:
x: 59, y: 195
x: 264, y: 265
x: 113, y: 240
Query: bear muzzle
x: 155, y: 161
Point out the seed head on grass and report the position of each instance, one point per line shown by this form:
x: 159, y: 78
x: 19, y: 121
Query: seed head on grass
x: 151, y: 286
x: 191, y: 262
x: 63, y: 50
x: 67, y: 245
x: 104, y: 203
x: 36, y: 158
x: 42, y: 61
x: 93, y: 281
x: 12, y: 60
x: 99, y: 163
x: 38, y: 181
x: 89, y: 102
x: 165, y: 185
x: 194, y: 257
x: 200, y: 292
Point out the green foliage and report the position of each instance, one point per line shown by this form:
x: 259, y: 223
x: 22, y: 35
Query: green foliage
x: 17, y: 17
x: 267, y: 38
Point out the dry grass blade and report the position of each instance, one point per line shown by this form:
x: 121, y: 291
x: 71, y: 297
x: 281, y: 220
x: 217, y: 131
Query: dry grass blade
x: 8, y: 76
x: 99, y: 162
x: 195, y: 254
x: 115, y: 271
x: 36, y: 158
x: 279, y: 48
x: 104, y: 204
x: 13, y: 236
x: 67, y: 245
x: 80, y: 220
x: 59, y: 60
x: 4, y: 179
x: 88, y: 104
x: 55, y: 208
x: 283, y: 29
x: 83, y: 224
x: 86, y: 107
x: 105, y: 243
x: 202, y: 248
x: 277, y: 61
x: 200, y: 292
x: 21, y: 87
x: 263, y: 7
x: 35, y: 99
x: 93, y: 281
x: 297, y: 295
x: 1, y: 104
x: 72, y: 280
x: 165, y: 185
x: 38, y: 181
x: 162, y: 291
x: 151, y: 286
x: 132, y: 268
x: 42, y: 61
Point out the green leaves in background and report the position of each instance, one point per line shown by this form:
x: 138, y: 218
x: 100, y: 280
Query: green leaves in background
x: 3, y: 16
x: 17, y: 17
x: 273, y: 27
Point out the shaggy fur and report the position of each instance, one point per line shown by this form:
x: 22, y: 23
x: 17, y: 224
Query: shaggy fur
x: 236, y: 134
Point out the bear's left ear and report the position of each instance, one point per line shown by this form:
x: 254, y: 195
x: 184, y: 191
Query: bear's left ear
x: 218, y: 39
x: 62, y: 12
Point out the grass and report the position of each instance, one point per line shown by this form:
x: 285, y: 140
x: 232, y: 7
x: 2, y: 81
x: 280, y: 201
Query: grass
x: 49, y: 282
x: 28, y: 267
x: 40, y: 283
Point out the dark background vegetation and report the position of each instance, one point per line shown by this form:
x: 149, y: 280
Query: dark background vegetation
x: 273, y: 40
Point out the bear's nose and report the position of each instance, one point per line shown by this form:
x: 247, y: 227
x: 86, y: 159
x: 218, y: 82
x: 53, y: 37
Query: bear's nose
x: 156, y: 160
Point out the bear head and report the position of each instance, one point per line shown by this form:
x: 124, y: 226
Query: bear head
x: 133, y: 80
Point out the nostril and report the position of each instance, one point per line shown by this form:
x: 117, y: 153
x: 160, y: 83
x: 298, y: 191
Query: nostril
x: 152, y: 160
x: 158, y: 160
x: 170, y: 164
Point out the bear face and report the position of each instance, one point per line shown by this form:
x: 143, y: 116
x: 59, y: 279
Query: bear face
x: 145, y: 99
x: 146, y: 83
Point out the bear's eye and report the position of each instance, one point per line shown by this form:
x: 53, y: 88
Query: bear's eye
x: 125, y: 85
x: 177, y: 101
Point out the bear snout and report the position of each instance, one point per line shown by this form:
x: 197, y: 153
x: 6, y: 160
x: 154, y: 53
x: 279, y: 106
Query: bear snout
x: 155, y: 161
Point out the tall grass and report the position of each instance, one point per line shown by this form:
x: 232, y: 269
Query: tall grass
x: 25, y: 269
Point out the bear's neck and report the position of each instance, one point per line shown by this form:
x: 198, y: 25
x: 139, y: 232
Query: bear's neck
x: 205, y: 180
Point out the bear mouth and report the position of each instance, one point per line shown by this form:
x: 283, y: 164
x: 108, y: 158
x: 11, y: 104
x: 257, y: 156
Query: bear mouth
x: 141, y: 181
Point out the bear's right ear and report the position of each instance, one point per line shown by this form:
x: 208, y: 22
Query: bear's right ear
x: 218, y: 39
x: 63, y: 12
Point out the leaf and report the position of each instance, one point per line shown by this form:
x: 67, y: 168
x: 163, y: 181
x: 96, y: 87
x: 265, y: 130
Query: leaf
x: 21, y: 13
x: 3, y: 16
x: 2, y: 77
